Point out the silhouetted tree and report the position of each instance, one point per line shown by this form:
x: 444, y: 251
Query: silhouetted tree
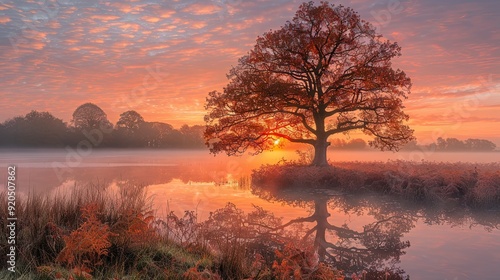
x: 355, y: 144
x: 412, y: 145
x: 130, y: 120
x: 325, y: 72
x: 454, y: 144
x: 160, y: 135
x: 44, y: 130
x: 441, y: 144
x: 35, y: 129
x: 3, y: 137
x: 479, y: 145
x: 193, y: 136
x: 14, y: 131
x: 90, y: 116
x: 129, y: 130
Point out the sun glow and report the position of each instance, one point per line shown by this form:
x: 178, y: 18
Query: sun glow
x: 277, y: 142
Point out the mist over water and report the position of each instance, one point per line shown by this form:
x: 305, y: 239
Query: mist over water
x: 443, y: 245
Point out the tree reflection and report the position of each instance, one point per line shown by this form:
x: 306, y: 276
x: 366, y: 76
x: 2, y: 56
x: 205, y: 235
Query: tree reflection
x: 302, y: 246
x: 377, y: 246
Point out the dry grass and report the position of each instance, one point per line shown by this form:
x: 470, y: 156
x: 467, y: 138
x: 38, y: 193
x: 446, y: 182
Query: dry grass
x: 92, y: 233
x: 466, y: 184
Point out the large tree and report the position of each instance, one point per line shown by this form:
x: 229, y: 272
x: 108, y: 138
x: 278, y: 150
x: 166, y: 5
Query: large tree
x: 90, y: 116
x: 129, y: 130
x: 323, y: 73
x: 130, y: 121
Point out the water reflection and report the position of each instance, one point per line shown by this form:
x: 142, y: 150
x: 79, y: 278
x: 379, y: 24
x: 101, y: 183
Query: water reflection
x: 350, y: 232
x: 375, y: 246
x: 375, y: 241
x: 44, y: 180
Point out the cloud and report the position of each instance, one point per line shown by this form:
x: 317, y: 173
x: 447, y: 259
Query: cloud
x: 90, y: 50
x: 98, y: 29
x: 151, y: 19
x: 166, y: 13
x: 4, y: 19
x: 123, y: 7
x: 201, y: 9
x: 104, y: 18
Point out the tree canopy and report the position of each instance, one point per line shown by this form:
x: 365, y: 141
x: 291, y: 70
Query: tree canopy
x: 454, y: 144
x: 34, y: 129
x: 90, y: 116
x: 130, y: 120
x: 323, y: 73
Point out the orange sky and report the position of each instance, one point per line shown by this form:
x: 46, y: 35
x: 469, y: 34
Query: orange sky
x: 161, y: 58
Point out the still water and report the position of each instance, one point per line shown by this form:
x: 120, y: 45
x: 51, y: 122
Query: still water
x: 426, y: 244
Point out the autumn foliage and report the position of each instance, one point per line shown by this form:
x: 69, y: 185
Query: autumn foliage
x: 325, y: 72
x: 292, y: 263
x: 86, y: 246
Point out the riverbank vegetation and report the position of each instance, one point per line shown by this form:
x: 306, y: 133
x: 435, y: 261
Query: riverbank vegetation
x: 92, y: 233
x: 461, y: 184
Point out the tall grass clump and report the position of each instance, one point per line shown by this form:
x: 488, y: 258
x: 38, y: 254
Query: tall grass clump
x: 93, y: 233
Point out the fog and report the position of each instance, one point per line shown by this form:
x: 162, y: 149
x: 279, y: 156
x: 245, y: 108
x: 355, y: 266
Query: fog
x: 41, y: 170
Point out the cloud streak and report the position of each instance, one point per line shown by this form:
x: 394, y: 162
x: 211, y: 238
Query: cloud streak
x: 57, y: 55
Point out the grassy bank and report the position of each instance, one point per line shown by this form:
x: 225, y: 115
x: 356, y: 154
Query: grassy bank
x: 460, y: 184
x: 92, y: 233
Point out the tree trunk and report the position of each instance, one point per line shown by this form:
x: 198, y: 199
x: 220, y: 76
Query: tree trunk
x: 321, y: 144
x: 320, y: 149
x: 321, y: 214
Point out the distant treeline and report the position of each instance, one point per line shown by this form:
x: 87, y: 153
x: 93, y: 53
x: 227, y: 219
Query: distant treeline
x: 91, y: 128
x: 441, y: 144
x: 454, y: 144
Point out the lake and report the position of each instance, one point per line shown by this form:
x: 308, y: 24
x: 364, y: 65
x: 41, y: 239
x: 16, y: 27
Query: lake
x: 442, y: 245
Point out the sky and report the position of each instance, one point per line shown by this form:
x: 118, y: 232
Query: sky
x: 161, y: 58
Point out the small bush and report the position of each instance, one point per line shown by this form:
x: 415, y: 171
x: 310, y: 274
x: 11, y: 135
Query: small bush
x: 86, y: 246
